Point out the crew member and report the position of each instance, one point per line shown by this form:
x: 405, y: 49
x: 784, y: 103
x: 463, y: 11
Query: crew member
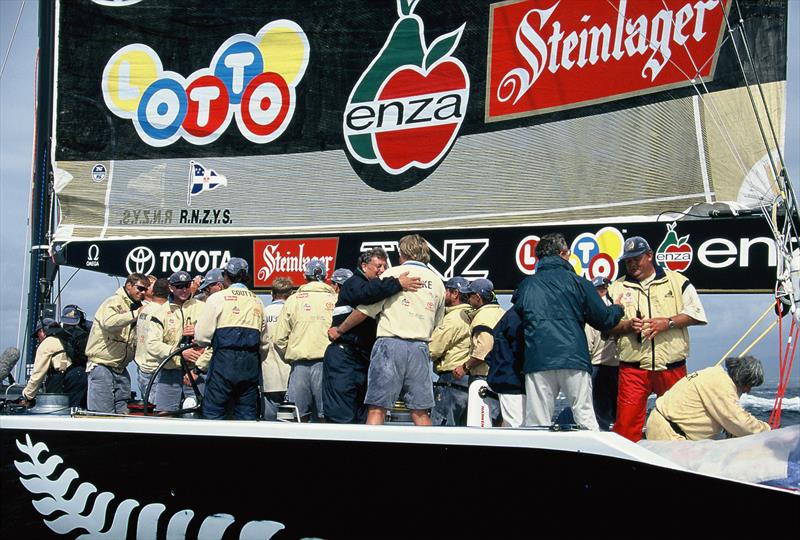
x: 233, y: 324
x: 147, y: 363
x: 346, y: 362
x: 111, y: 347
x: 400, y: 360
x: 554, y: 304
x: 484, y: 317
x: 50, y: 360
x: 653, y: 340
x: 449, y: 347
x: 274, y: 371
x: 301, y: 338
x: 177, y: 317
x: 706, y: 402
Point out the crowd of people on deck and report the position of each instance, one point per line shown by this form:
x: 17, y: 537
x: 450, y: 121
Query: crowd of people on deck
x: 353, y: 346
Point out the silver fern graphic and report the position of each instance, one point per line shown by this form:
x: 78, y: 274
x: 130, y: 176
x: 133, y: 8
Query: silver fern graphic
x: 73, y: 514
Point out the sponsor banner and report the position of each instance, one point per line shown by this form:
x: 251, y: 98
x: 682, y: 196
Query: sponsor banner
x: 722, y: 255
x: 173, y: 119
x: 549, y: 55
x: 285, y: 257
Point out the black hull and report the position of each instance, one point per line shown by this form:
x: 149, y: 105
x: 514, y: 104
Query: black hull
x: 361, y: 482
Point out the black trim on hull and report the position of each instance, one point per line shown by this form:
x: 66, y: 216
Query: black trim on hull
x: 382, y: 488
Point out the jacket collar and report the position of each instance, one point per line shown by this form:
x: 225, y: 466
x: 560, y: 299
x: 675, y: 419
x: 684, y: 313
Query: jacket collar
x: 551, y: 262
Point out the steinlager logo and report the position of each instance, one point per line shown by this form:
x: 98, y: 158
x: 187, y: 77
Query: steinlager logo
x: 674, y: 253
x: 405, y: 112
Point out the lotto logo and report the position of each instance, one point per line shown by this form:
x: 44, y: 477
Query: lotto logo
x: 597, y: 254
x: 250, y: 78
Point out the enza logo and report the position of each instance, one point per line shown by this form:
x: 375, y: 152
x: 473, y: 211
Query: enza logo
x: 140, y: 260
x: 405, y: 112
x: 674, y: 253
x: 250, y: 78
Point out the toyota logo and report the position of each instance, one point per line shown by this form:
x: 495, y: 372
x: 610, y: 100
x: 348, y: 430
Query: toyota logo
x: 141, y: 260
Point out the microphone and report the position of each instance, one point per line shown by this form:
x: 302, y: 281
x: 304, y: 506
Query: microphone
x: 8, y: 360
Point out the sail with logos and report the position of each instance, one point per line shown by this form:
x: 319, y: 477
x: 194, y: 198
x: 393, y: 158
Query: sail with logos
x: 176, y: 135
x: 483, y: 124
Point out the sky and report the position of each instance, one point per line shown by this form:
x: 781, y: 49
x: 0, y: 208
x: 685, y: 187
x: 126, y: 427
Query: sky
x: 729, y: 315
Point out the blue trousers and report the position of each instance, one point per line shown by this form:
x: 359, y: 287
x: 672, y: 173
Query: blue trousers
x: 344, y: 384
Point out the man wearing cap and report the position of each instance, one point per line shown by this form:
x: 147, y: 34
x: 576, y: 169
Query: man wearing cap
x: 274, y: 371
x: 51, y: 362
x: 400, y: 360
x: 212, y: 282
x: 652, y: 338
x: 344, y: 369
x: 74, y: 336
x: 487, y: 312
x: 301, y: 337
x: 232, y: 322
x: 449, y: 347
x: 111, y: 347
x: 171, y: 327
x: 146, y: 363
x: 554, y: 304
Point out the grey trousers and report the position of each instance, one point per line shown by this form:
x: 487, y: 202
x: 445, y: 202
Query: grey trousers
x: 108, y: 391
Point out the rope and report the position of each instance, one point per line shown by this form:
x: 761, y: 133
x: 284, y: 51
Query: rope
x: 11, y: 42
x: 761, y: 318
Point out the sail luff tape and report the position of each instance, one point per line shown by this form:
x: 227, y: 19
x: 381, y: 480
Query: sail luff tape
x: 770, y: 307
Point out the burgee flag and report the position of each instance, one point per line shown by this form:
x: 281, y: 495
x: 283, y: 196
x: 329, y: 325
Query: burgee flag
x: 202, y: 179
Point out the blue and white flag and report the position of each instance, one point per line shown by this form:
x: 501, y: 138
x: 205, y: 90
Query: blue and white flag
x: 202, y: 179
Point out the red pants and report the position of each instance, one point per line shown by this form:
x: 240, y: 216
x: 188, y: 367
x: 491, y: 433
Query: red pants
x: 635, y: 386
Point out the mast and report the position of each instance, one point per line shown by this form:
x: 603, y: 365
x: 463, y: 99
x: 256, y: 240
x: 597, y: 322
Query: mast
x: 42, y: 268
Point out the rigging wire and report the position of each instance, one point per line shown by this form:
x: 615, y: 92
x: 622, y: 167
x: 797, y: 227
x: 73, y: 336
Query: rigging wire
x: 11, y: 41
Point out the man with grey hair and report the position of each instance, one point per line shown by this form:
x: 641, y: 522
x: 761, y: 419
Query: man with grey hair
x: 554, y: 304
x: 400, y: 360
x: 301, y: 337
x: 344, y: 371
x: 706, y: 402
x: 274, y: 371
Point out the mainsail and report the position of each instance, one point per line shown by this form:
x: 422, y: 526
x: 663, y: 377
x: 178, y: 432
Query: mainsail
x: 483, y: 124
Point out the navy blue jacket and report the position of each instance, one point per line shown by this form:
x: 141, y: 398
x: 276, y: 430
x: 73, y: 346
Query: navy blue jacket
x: 554, y: 304
x: 507, y: 355
x: 359, y: 290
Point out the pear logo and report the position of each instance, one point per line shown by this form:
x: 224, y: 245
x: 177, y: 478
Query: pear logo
x: 406, y: 109
x: 674, y: 253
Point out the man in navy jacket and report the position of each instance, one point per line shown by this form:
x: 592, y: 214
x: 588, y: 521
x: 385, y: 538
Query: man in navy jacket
x: 554, y: 304
x: 346, y: 361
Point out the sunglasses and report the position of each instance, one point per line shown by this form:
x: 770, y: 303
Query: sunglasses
x: 181, y: 286
x: 140, y: 288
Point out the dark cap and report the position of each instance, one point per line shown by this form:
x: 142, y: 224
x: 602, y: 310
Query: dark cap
x: 340, y: 275
x: 71, y: 315
x: 315, y: 269
x: 482, y: 287
x: 180, y: 277
x: 44, y: 324
x: 456, y: 282
x: 212, y: 276
x: 237, y: 266
x: 601, y: 281
x: 634, y: 246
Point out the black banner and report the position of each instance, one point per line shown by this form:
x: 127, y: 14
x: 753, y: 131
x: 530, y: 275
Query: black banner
x: 723, y: 255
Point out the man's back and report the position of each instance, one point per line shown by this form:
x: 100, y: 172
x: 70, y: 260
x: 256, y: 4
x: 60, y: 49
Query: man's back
x: 554, y: 304
x: 302, y: 330
x: 410, y: 315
